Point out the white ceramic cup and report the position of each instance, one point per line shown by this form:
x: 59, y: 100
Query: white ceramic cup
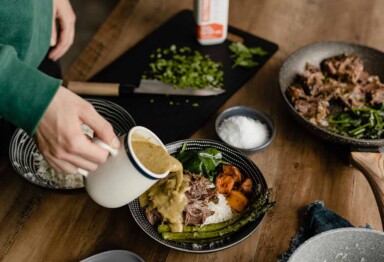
x: 122, y: 178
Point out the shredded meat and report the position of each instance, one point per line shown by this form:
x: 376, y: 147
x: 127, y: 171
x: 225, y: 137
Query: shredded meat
x: 313, y: 79
x: 340, y: 79
x: 377, y: 96
x: 199, y: 195
x: 153, y: 216
x: 196, y: 210
x: 346, y: 67
x: 196, y: 213
x: 200, y: 188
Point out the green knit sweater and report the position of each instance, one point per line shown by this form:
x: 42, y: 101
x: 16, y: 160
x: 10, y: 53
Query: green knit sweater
x: 25, y: 31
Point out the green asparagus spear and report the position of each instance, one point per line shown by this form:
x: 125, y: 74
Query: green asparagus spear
x: 205, y: 228
x: 261, y: 200
x: 219, y: 233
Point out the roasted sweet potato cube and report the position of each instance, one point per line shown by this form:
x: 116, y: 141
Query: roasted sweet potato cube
x: 246, y: 186
x: 236, y: 174
x: 233, y: 171
x: 225, y: 183
x: 237, y: 200
x: 227, y: 169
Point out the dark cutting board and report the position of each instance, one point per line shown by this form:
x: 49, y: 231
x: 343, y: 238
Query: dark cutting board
x: 178, y: 117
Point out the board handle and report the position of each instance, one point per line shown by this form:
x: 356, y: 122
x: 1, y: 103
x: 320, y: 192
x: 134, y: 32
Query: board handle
x: 372, y: 166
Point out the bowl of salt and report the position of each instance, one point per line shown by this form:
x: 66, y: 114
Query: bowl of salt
x: 246, y: 129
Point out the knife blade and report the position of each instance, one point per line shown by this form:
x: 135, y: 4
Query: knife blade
x: 145, y: 87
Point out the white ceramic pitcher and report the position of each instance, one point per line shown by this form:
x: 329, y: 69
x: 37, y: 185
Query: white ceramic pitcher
x: 122, y: 178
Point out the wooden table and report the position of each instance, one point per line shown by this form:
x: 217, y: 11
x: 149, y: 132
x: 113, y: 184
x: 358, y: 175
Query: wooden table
x: 42, y: 225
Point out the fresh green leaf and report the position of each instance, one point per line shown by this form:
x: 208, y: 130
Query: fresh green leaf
x: 204, y: 162
x: 244, y: 56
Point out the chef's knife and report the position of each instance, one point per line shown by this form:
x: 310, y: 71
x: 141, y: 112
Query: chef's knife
x: 145, y: 87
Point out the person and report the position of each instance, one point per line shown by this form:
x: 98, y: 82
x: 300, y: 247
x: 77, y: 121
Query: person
x: 37, y: 102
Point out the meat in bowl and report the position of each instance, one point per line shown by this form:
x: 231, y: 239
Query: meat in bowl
x: 217, y: 200
x: 341, y: 97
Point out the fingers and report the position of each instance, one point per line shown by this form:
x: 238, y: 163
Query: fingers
x: 77, y: 153
x: 54, y: 31
x: 85, y: 154
x: 102, y: 128
x: 61, y: 165
x: 66, y: 21
x: 80, y: 162
x: 64, y: 42
x: 60, y: 137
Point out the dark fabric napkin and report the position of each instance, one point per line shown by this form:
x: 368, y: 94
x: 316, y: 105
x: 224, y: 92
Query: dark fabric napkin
x: 318, y: 219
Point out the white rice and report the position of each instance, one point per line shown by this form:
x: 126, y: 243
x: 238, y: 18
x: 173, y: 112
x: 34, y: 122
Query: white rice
x: 222, y: 211
x: 61, y: 180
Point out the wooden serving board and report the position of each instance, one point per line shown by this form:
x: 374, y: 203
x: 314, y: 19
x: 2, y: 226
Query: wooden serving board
x: 177, y: 117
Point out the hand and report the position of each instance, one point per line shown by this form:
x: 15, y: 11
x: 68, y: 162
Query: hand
x: 60, y: 137
x: 63, y: 13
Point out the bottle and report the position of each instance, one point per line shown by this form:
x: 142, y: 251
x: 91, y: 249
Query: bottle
x: 212, y: 21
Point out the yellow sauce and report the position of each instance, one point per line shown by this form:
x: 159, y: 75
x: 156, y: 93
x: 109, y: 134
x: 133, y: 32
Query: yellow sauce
x: 168, y: 201
x: 167, y: 195
x: 156, y: 159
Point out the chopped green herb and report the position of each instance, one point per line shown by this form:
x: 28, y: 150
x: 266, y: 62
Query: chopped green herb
x: 183, y: 67
x: 244, y: 56
x: 195, y: 104
x: 152, y: 100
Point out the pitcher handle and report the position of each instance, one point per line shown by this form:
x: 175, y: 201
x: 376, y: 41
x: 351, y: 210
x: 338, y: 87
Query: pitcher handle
x: 112, y: 151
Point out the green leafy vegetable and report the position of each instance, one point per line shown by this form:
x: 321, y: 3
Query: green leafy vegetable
x: 243, y: 55
x: 367, y: 123
x: 183, y: 67
x: 204, y: 162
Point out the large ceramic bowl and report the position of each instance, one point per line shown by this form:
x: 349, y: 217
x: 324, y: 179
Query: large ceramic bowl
x: 237, y: 158
x: 314, y: 54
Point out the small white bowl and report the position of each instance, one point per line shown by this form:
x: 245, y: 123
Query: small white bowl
x: 251, y: 113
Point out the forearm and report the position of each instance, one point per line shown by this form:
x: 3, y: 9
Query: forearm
x: 25, y: 92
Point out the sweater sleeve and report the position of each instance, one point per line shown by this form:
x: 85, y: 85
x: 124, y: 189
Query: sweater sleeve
x: 25, y: 92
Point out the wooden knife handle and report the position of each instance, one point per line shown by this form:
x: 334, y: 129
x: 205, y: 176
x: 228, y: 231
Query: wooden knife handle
x: 372, y: 166
x: 94, y: 89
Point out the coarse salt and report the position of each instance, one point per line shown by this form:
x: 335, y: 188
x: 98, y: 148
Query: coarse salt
x: 243, y: 132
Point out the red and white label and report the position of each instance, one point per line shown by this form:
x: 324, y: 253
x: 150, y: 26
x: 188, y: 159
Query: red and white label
x: 210, y: 31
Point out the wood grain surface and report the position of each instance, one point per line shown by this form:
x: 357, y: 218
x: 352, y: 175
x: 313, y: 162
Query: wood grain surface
x: 43, y: 225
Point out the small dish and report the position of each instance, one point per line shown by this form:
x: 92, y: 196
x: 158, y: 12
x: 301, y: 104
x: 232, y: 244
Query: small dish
x: 250, y: 113
x: 114, y: 256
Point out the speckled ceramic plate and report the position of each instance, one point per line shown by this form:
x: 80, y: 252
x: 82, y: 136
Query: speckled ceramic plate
x: 24, y: 153
x: 237, y: 158
x: 345, y: 244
